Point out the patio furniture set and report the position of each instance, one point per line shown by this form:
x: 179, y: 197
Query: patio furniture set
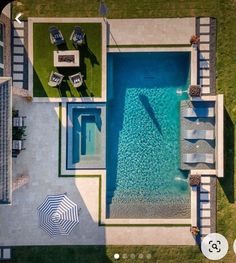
x: 206, y: 112
x: 18, y: 124
x: 66, y: 58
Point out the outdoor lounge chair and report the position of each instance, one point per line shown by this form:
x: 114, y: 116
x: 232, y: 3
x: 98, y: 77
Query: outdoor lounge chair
x: 56, y: 36
x: 76, y: 80
x: 18, y: 145
x: 19, y: 121
x: 199, y: 134
x: 198, y: 158
x: 199, y: 112
x: 77, y: 36
x: 55, y: 79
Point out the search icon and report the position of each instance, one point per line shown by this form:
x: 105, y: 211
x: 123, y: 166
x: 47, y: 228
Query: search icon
x: 214, y: 246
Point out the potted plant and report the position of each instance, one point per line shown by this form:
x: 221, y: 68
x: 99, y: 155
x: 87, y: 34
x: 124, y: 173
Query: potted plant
x: 194, y: 40
x: 194, y: 230
x: 194, y: 179
x: 194, y: 91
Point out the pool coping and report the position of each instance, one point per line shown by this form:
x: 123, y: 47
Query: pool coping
x: 31, y: 21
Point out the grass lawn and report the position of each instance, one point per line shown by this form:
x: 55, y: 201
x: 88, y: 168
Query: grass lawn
x: 225, y: 12
x: 90, y: 61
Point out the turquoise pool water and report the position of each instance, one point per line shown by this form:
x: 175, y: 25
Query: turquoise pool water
x: 88, y: 135
x: 85, y: 136
x: 143, y: 175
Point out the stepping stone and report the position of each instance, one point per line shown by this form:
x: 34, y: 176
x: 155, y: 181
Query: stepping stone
x: 18, y: 50
x: 204, y: 64
x: 18, y: 76
x: 205, y: 38
x: 204, y: 196
x: 204, y: 73
x: 204, y: 29
x: 18, y: 59
x: 18, y: 41
x: 6, y: 253
x: 205, y: 205
x: 18, y: 33
x: 206, y: 90
x: 17, y: 84
x: 205, y: 179
x: 204, y: 47
x: 18, y: 67
x: 17, y: 25
x: 205, y: 188
x: 205, y: 230
x: 204, y: 81
x: 205, y: 213
x: 204, y: 55
x: 205, y: 222
x: 204, y: 20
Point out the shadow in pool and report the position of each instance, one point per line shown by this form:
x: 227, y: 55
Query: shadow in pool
x: 227, y: 183
x: 146, y: 104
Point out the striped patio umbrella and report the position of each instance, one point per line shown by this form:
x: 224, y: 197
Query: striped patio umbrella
x: 58, y: 215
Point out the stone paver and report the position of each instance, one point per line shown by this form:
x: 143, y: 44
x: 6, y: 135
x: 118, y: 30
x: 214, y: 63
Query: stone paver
x: 18, y: 41
x: 204, y: 81
x: 205, y: 196
x: 205, y: 205
x: 18, y: 33
x: 17, y: 25
x: 206, y: 90
x: 205, y: 38
x: 205, y: 222
x: 205, y: 230
x: 204, y: 47
x: 204, y: 29
x: 18, y: 50
x: 205, y: 213
x: 204, y: 55
x: 17, y: 84
x: 205, y: 188
x: 204, y: 73
x: 18, y: 76
x: 18, y: 67
x: 204, y: 20
x: 6, y: 253
x: 18, y: 59
x: 204, y: 64
x: 205, y: 179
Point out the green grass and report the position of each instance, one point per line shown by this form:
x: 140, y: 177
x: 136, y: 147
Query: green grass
x: 225, y: 12
x: 90, y: 61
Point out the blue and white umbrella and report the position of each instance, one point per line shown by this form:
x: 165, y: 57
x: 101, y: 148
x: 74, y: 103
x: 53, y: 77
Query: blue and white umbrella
x: 58, y: 215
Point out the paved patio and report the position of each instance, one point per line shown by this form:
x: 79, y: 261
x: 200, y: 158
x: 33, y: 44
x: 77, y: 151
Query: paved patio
x: 40, y: 162
x: 161, y: 31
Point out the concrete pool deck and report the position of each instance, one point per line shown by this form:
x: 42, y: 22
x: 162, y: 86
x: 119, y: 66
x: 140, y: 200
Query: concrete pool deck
x: 39, y: 161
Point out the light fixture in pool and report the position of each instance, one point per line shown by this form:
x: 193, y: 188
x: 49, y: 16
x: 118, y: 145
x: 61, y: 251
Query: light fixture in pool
x: 180, y: 91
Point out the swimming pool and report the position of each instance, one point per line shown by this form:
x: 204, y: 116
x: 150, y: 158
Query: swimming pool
x: 143, y: 126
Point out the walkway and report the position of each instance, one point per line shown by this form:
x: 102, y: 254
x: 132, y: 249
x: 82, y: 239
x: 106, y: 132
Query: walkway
x: 206, y: 29
x: 19, y: 67
x: 207, y: 218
